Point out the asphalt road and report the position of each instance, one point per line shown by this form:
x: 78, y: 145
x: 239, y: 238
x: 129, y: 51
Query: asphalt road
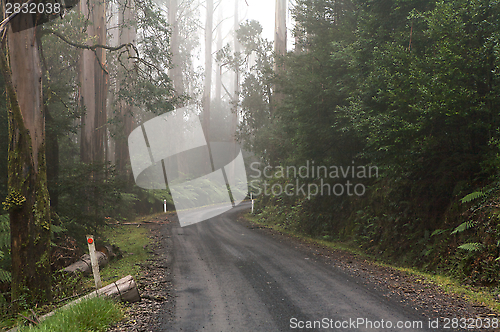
x: 228, y: 277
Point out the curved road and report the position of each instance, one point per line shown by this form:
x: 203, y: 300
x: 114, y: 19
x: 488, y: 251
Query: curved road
x: 228, y: 277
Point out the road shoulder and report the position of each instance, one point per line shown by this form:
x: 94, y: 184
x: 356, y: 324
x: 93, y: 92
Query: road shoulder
x: 414, y: 291
x: 155, y: 284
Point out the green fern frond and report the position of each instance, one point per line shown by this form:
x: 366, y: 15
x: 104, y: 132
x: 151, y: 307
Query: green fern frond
x: 472, y: 196
x: 438, y: 231
x: 5, y: 276
x: 464, y: 226
x: 57, y: 229
x: 474, y: 246
x: 4, y: 222
x: 129, y: 198
x: 4, y: 232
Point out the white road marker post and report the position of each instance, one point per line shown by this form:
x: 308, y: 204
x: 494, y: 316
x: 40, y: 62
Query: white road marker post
x: 251, y: 197
x: 94, y: 262
x: 165, y: 205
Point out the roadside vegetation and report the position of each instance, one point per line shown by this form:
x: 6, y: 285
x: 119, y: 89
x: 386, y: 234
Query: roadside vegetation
x: 131, y: 242
x: 409, y: 87
x: 88, y: 315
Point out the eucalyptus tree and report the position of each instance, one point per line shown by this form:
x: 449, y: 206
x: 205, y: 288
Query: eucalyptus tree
x: 93, y: 86
x: 280, y: 37
x: 218, y: 71
x: 255, y: 96
x: 127, y: 34
x: 176, y: 69
x: 28, y: 200
x: 207, y: 95
x: 280, y: 34
x: 145, y: 85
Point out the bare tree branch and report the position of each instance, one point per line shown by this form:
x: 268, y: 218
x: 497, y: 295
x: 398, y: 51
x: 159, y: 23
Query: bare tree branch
x: 11, y: 16
x: 90, y: 47
x: 94, y: 47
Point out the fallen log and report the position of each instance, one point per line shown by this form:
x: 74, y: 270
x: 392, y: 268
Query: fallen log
x: 124, y: 290
x: 84, y: 265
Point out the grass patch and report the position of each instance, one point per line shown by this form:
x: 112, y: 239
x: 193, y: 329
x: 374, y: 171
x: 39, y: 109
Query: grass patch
x: 132, y: 241
x: 94, y: 314
x: 477, y: 295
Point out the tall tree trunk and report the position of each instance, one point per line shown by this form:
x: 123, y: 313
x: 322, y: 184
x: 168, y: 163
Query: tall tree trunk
x: 237, y: 49
x: 93, y: 94
x: 280, y: 28
x: 279, y: 42
x: 176, y: 71
x: 28, y: 200
x: 208, y: 67
x: 93, y: 90
x: 101, y: 81
x: 218, y: 74
x: 236, y: 88
x: 52, y: 154
x: 128, y: 34
x: 87, y: 91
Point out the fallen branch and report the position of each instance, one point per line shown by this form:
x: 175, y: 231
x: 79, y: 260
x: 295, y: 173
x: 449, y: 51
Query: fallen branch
x: 124, y: 289
x: 90, y: 47
x: 84, y: 265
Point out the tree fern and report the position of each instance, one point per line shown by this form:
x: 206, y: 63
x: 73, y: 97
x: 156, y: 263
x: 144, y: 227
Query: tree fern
x: 472, y: 196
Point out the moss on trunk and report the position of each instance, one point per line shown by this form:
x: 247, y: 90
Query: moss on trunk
x: 28, y: 200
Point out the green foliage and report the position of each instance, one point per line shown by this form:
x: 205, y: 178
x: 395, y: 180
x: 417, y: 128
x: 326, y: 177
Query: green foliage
x: 143, y: 78
x: 473, y: 246
x: 438, y: 232
x: 5, y: 276
x: 472, y: 196
x: 409, y: 86
x: 464, y: 226
x: 4, y: 140
x: 85, y: 202
x: 84, y: 195
x: 256, y: 89
x: 66, y: 285
x: 133, y: 242
x: 88, y: 315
